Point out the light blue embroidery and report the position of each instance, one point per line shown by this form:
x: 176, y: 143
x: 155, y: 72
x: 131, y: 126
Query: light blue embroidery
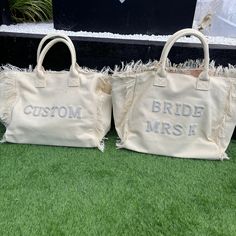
x: 177, y: 109
x: 166, y: 128
x: 54, y: 111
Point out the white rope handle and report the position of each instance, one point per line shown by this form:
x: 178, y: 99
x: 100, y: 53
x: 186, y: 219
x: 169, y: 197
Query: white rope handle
x: 40, y: 82
x: 170, y: 42
x: 52, y: 36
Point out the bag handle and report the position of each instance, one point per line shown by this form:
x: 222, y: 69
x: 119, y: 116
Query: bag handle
x: 203, y: 79
x: 73, y: 81
x: 51, y: 36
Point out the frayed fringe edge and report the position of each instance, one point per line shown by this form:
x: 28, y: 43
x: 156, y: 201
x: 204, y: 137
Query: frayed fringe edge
x: 135, y: 67
x: 119, y: 143
x: 105, y: 71
x: 214, y: 70
x: 3, y: 140
x: 224, y: 156
x: 99, y: 125
x: 101, y: 145
x: 139, y: 67
x: 10, y: 68
x: 8, y: 96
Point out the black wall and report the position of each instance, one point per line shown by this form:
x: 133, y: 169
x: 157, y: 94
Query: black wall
x: 129, y: 17
x: 5, y: 17
x: 20, y: 50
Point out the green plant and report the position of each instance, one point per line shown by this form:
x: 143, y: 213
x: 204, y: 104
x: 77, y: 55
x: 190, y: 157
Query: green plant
x: 31, y: 10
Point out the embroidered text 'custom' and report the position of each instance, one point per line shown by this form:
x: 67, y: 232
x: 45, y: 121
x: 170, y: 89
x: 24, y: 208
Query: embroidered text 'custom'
x: 54, y: 111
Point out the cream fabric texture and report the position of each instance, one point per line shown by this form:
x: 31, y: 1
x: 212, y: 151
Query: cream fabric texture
x: 181, y: 111
x: 67, y: 108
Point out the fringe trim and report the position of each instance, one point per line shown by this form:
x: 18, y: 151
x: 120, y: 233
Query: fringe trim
x: 10, y: 68
x: 224, y: 156
x: 132, y: 68
x: 101, y: 145
x: 214, y: 70
x: 8, y: 96
x: 99, y: 123
x: 105, y: 71
x: 228, y: 114
x: 139, y: 67
x: 119, y: 144
x: 3, y: 140
x: 130, y: 86
x: 104, y: 90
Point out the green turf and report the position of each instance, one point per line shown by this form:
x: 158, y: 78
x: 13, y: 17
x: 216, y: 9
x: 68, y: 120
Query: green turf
x: 71, y: 191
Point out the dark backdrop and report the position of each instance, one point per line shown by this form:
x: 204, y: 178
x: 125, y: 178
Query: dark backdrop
x: 129, y: 17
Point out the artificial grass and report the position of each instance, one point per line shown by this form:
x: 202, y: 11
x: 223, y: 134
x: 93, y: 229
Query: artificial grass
x: 71, y: 191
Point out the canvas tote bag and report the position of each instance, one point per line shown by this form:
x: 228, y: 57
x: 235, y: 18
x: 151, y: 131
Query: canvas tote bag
x: 67, y: 108
x: 179, y: 111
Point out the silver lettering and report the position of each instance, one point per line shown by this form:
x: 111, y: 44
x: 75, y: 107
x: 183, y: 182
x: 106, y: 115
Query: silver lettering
x: 62, y: 112
x: 198, y: 111
x: 178, y: 130
x: 28, y: 110
x: 46, y: 112
x: 186, y: 110
x: 152, y: 127
x: 192, y: 130
x: 178, y: 109
x: 166, y: 128
x: 75, y: 112
x: 53, y: 110
x: 156, y: 106
x: 37, y: 111
x: 167, y: 108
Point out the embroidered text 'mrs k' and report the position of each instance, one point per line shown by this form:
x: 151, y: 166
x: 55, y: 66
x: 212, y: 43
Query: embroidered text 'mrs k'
x: 70, y: 112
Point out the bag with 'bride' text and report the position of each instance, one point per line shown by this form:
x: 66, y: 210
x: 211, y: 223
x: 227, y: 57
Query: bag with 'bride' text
x: 179, y: 111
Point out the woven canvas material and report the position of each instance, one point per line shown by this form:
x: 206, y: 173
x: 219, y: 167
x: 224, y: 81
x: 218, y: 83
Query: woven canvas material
x: 180, y: 112
x: 67, y: 108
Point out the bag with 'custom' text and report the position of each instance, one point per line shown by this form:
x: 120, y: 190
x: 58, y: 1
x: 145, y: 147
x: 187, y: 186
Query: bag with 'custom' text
x: 66, y: 108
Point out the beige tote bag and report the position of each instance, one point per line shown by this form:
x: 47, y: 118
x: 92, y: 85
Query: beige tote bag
x: 67, y: 108
x: 180, y: 111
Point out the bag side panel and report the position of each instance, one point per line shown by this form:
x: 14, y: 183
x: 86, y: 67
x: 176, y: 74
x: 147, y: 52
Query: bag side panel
x: 8, y: 96
x: 122, y: 98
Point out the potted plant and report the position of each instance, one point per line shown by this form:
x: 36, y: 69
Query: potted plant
x: 30, y: 10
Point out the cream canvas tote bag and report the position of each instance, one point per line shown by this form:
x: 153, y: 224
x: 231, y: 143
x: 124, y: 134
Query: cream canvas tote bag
x: 179, y: 111
x: 67, y: 108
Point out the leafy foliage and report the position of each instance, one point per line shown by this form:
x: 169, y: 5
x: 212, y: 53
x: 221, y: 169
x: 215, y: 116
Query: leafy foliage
x: 31, y: 10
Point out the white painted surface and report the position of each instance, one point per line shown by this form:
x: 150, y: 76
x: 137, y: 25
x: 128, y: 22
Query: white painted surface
x: 46, y: 28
